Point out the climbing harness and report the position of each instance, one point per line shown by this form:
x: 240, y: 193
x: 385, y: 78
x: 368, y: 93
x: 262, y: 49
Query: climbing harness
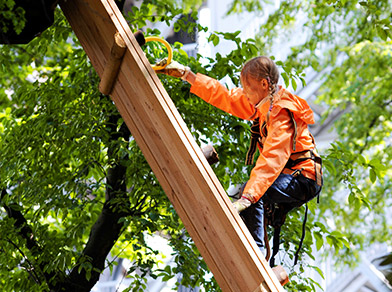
x: 258, y: 136
x: 275, y: 214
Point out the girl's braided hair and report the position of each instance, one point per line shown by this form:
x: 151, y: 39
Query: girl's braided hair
x: 260, y: 68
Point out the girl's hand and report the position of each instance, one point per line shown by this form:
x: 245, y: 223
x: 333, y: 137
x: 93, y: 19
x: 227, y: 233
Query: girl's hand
x: 174, y: 69
x: 241, y: 204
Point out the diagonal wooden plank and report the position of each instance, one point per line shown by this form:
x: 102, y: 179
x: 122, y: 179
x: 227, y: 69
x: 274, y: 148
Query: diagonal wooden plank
x: 176, y: 159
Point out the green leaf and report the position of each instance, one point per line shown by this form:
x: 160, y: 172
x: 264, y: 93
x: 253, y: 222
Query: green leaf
x: 319, y: 271
x: 372, y: 175
x: 214, y: 39
x: 285, y: 78
x: 383, y: 34
x: 362, y: 159
x: 319, y: 240
x: 294, y: 84
x: 329, y: 166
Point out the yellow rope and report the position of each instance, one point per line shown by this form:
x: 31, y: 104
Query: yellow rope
x: 169, y: 51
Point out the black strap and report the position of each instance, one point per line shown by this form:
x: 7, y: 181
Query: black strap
x: 275, y: 248
x: 255, y: 135
x: 266, y: 239
x: 254, y: 138
x: 303, y: 235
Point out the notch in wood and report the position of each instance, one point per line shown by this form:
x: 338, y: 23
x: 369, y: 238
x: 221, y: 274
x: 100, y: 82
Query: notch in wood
x: 211, y: 154
x: 112, y: 66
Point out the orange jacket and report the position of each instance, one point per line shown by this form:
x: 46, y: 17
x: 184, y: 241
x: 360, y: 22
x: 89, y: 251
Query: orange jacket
x: 278, y: 145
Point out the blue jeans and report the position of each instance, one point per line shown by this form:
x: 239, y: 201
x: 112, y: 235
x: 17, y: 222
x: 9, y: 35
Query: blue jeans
x: 289, y: 192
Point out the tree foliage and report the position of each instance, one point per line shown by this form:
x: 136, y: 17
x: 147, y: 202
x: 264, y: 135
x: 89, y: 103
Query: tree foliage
x: 75, y: 186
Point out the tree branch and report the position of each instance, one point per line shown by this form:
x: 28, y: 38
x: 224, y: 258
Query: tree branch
x: 25, y: 231
x: 31, y: 271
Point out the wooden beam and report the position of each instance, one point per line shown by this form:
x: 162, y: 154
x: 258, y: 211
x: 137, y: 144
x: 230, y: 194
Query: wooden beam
x: 177, y: 161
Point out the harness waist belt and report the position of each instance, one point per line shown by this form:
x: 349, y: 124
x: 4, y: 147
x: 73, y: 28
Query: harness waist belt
x: 297, y: 158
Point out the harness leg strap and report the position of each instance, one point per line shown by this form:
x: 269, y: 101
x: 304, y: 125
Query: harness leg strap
x: 275, y: 248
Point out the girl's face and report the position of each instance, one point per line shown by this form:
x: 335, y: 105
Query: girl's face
x: 254, y: 90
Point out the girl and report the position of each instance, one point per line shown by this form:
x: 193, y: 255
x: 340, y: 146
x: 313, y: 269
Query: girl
x: 288, y: 169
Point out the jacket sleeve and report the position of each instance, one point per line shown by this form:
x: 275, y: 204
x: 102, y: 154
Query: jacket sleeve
x: 273, y: 157
x: 231, y: 101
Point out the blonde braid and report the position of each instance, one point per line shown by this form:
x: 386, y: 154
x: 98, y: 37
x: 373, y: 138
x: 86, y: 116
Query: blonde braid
x: 272, y: 90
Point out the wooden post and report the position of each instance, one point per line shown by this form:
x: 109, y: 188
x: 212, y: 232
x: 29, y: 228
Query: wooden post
x: 113, y: 65
x: 177, y: 161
